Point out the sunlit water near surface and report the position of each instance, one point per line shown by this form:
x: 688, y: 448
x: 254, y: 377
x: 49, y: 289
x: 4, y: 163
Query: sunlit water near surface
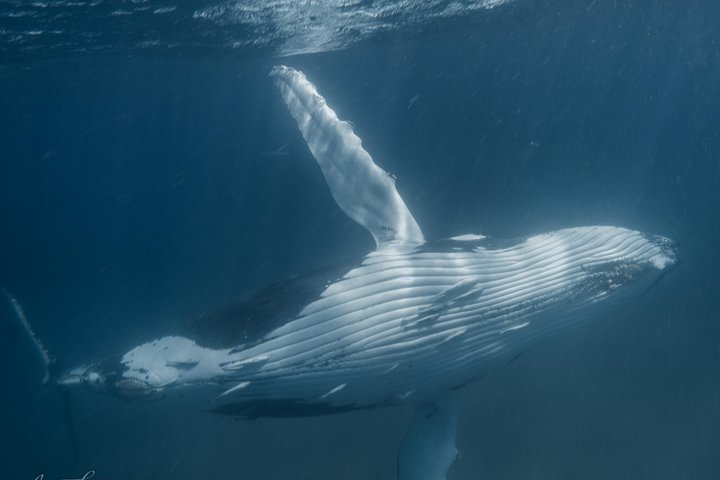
x: 149, y: 173
x: 279, y: 27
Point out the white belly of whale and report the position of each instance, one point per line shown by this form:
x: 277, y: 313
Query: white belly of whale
x: 410, y: 322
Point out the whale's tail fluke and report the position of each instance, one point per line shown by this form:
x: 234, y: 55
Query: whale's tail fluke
x: 49, y: 363
x: 47, y: 360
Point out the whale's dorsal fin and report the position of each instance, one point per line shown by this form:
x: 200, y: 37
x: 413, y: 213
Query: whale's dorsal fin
x: 364, y: 191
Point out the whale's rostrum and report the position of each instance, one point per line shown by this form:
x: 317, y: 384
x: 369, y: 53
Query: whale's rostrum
x: 410, y: 322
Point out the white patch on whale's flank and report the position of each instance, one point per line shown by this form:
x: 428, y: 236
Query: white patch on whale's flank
x: 454, y: 334
x: 364, y: 191
x: 237, y: 387
x: 468, y: 237
x: 238, y: 364
x: 515, y: 327
x: 333, y: 391
x: 406, y: 395
x: 391, y: 369
x: 162, y: 10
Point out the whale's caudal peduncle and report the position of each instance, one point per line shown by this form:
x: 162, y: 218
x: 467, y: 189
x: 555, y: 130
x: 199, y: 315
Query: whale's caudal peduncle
x: 412, y: 321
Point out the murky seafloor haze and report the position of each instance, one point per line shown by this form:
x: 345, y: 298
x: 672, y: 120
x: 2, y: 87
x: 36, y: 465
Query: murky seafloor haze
x: 149, y: 172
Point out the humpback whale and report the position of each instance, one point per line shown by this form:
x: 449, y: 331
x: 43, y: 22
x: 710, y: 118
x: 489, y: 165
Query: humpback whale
x: 412, y: 321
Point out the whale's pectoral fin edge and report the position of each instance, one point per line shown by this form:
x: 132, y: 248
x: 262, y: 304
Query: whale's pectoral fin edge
x: 364, y: 191
x: 428, y: 449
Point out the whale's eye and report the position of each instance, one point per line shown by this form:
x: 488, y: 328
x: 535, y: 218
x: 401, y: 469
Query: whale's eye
x: 132, y: 388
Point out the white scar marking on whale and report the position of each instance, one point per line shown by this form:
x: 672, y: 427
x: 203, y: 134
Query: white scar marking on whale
x: 237, y: 387
x: 333, y: 391
x: 515, y: 327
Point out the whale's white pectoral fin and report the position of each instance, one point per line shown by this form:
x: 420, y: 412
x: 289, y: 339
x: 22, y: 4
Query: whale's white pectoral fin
x: 428, y: 450
x: 364, y: 191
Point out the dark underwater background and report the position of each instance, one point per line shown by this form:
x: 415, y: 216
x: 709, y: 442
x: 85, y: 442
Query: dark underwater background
x: 149, y: 172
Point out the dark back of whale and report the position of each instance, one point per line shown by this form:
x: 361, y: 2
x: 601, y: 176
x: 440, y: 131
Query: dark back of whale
x: 246, y: 322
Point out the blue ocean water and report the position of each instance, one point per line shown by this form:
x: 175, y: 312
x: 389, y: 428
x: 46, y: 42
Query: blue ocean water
x: 149, y: 172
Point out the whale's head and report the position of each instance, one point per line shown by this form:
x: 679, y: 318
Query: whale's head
x: 548, y: 283
x: 625, y: 262
x: 586, y: 270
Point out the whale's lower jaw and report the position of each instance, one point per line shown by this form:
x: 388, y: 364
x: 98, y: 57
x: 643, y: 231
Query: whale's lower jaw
x: 414, y: 321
